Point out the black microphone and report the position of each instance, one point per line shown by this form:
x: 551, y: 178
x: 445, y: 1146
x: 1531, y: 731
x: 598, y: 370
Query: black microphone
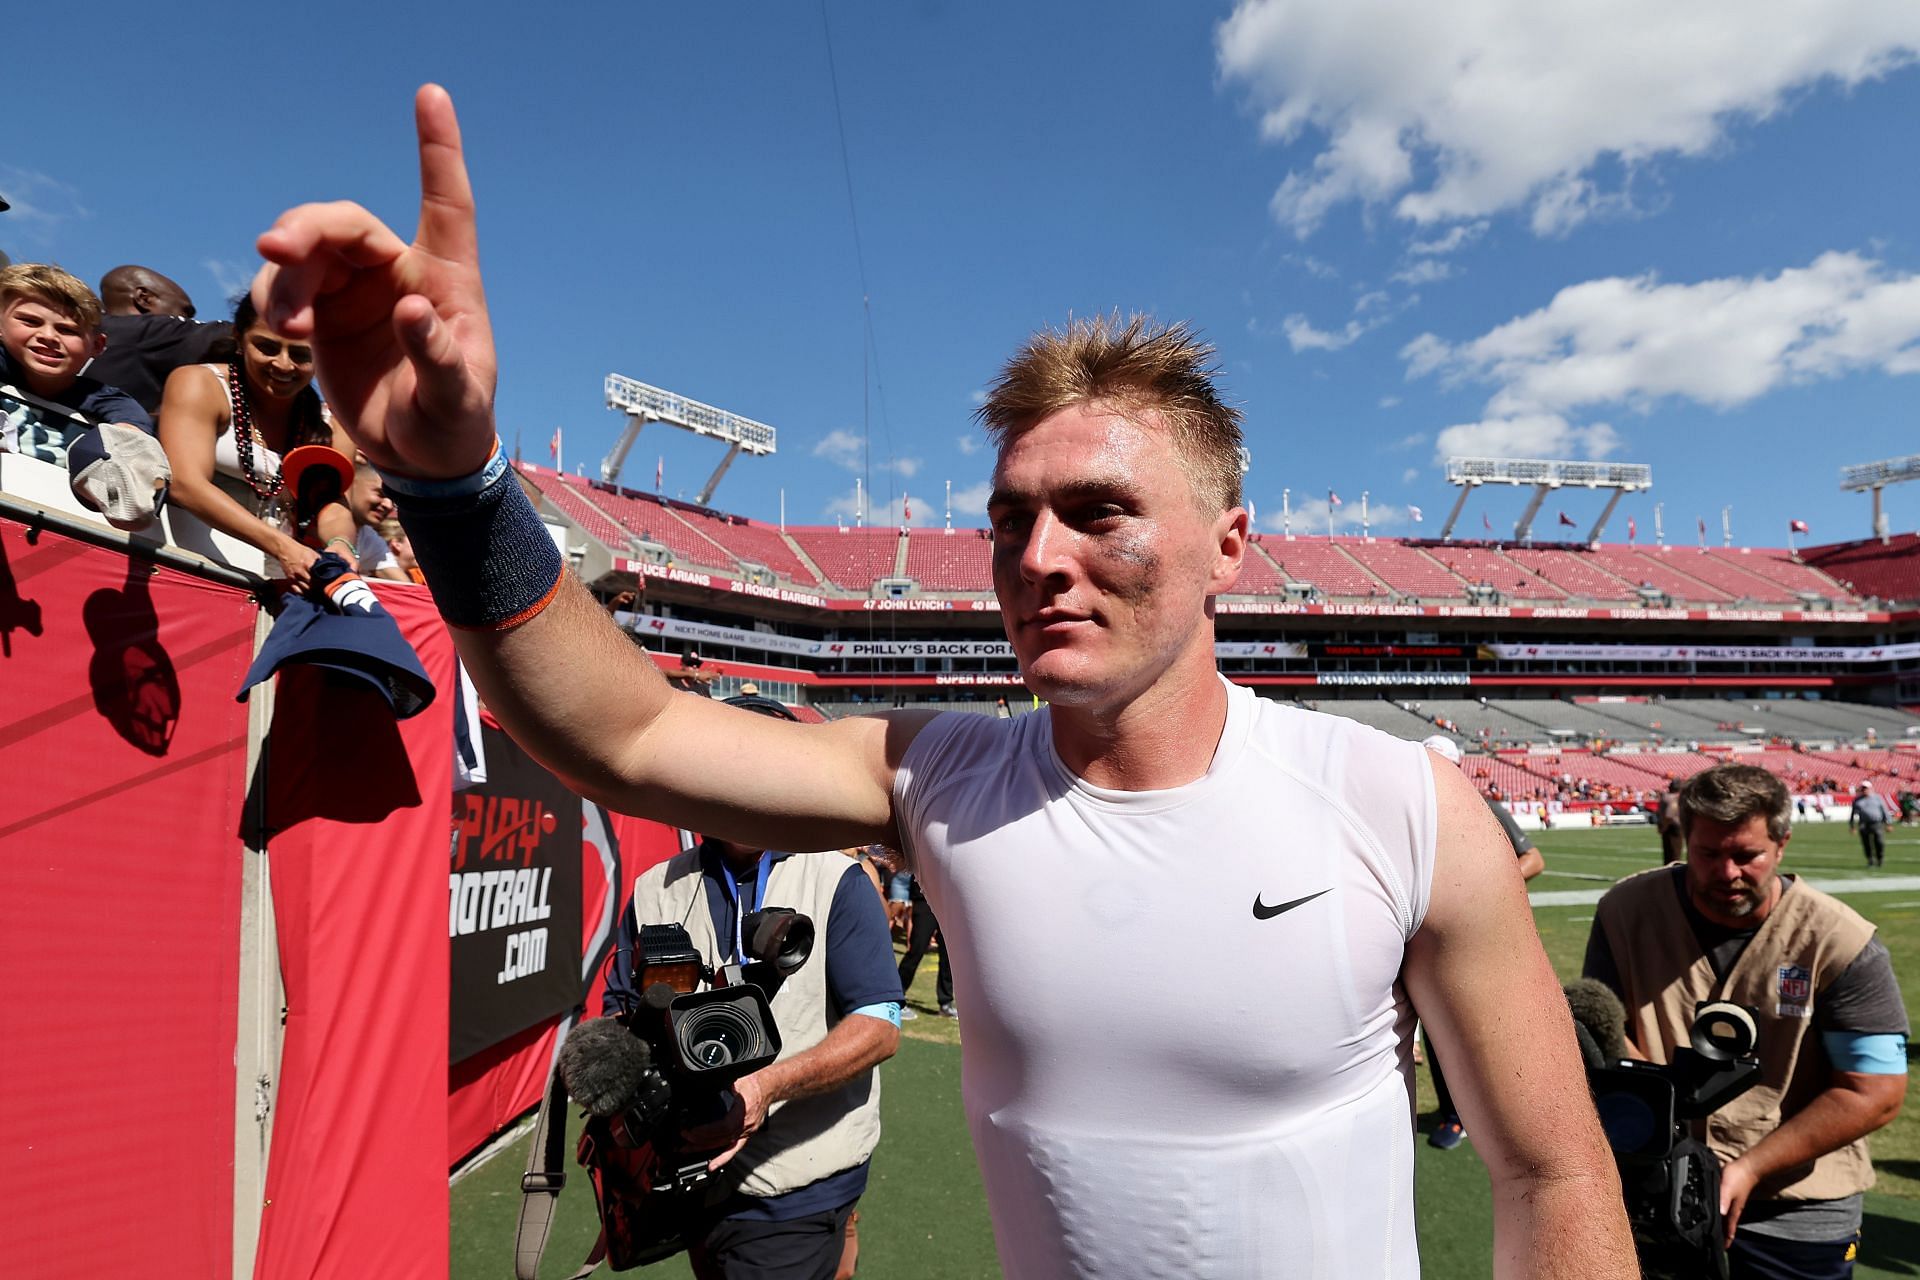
x: 1601, y: 1018
x: 603, y: 1065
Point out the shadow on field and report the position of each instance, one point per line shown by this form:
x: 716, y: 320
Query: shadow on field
x: 1891, y: 1245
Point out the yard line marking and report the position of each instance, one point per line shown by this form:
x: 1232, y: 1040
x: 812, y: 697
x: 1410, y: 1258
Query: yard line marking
x: 1579, y: 875
x: 1888, y: 884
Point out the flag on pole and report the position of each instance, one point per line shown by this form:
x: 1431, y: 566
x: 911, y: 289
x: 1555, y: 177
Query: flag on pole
x: 1567, y: 520
x: 1633, y: 530
x: 659, y: 472
x: 1414, y: 512
x: 553, y: 445
x: 1797, y: 526
x: 906, y: 509
x: 1485, y: 522
x: 1333, y: 499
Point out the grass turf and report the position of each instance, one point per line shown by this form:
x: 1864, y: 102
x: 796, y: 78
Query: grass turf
x: 923, y: 1214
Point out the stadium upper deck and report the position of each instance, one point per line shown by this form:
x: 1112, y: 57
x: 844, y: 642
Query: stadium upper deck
x: 844, y: 568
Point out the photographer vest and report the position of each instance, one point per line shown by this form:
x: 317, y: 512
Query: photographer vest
x: 1806, y: 941
x: 804, y: 1139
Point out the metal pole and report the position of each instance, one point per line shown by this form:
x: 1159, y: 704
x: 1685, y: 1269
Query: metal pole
x: 1726, y: 526
x: 859, y: 503
x: 949, y: 506
x: 1366, y: 534
x: 1659, y: 531
x: 1286, y: 514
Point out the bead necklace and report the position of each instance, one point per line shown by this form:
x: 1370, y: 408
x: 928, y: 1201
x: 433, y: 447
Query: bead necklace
x: 244, y: 435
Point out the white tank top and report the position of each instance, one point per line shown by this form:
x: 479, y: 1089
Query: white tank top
x: 227, y: 471
x: 1161, y: 1082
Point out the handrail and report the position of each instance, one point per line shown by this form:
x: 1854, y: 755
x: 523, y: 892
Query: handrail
x: 37, y: 517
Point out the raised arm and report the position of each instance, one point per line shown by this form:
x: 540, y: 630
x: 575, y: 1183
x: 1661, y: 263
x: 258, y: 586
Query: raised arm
x: 1482, y: 983
x: 404, y: 350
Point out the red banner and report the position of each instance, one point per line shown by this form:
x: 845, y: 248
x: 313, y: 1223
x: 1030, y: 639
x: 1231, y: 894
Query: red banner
x: 123, y: 755
x: 356, y: 1184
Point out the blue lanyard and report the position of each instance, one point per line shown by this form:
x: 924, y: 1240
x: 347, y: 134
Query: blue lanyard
x: 739, y: 904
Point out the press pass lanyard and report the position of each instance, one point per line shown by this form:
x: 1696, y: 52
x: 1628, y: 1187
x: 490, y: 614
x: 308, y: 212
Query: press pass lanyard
x: 740, y: 903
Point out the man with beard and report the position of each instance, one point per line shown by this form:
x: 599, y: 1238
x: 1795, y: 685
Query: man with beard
x: 1727, y: 925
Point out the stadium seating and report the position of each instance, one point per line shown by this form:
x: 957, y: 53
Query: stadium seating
x: 1656, y: 569
x: 1469, y: 719
x: 950, y: 560
x: 1668, y: 764
x: 1559, y: 718
x: 1488, y: 565
x: 1258, y: 577
x: 749, y: 542
x: 1718, y: 568
x: 1407, y: 570
x: 1678, y: 719
x: 850, y: 558
x: 1793, y: 577
x: 1889, y: 572
x: 1324, y: 564
x: 650, y: 519
x: 1575, y: 572
x: 574, y: 503
x: 1381, y: 713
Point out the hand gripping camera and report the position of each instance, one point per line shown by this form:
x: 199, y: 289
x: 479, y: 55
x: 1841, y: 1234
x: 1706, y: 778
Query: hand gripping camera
x: 667, y: 1064
x: 1670, y: 1179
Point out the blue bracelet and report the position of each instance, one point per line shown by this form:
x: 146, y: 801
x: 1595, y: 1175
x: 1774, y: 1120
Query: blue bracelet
x: 485, y: 552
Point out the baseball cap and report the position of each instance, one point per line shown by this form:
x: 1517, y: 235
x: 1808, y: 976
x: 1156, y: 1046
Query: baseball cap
x: 121, y: 472
x: 761, y: 705
x: 308, y: 456
x: 1441, y: 745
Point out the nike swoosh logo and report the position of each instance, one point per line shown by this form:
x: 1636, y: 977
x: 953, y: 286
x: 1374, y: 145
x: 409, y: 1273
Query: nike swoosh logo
x: 1261, y: 911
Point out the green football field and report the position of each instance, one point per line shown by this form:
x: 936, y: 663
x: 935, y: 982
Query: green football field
x: 924, y: 1216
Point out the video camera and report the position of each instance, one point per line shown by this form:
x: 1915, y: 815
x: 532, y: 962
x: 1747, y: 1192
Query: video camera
x: 1670, y: 1179
x: 668, y: 1063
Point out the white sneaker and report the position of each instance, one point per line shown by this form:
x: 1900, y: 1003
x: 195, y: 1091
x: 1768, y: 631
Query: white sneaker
x: 907, y: 1013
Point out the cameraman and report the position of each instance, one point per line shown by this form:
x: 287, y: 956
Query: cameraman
x: 800, y: 1132
x: 1725, y: 925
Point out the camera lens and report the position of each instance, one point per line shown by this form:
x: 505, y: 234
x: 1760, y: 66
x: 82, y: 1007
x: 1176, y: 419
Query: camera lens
x: 718, y: 1034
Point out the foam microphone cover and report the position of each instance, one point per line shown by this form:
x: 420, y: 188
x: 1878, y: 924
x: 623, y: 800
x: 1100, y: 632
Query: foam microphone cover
x: 603, y: 1064
x: 1597, y: 1009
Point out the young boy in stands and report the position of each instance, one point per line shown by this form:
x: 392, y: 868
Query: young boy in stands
x: 49, y: 329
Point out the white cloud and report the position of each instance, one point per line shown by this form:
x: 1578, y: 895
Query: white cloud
x: 1318, y: 268
x: 1456, y: 237
x: 978, y: 396
x: 1389, y: 402
x: 972, y: 500
x: 1409, y: 475
x: 841, y: 447
x: 41, y: 203
x: 848, y: 449
x: 231, y: 278
x: 970, y: 443
x: 1451, y: 112
x: 1374, y: 301
x: 886, y: 515
x: 1425, y: 271
x: 1529, y: 435
x: 1310, y: 516
x: 1634, y: 340
x: 1412, y: 440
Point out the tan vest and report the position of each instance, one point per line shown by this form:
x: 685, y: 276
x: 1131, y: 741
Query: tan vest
x: 805, y: 1139
x: 1802, y: 946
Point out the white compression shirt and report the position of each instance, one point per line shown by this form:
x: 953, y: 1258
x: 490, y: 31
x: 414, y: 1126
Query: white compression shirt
x: 1163, y: 1075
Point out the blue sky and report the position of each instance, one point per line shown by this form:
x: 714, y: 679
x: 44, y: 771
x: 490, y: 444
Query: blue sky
x: 1582, y: 234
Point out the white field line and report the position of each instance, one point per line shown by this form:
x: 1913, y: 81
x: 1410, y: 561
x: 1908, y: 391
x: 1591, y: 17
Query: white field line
x: 1865, y: 884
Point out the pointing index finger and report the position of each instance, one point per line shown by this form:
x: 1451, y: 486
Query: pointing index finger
x: 446, y: 197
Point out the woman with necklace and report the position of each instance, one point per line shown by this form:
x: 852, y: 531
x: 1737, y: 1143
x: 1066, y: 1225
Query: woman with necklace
x: 225, y: 428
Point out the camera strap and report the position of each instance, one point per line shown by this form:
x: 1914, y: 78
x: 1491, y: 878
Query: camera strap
x: 740, y: 908
x: 540, y: 1186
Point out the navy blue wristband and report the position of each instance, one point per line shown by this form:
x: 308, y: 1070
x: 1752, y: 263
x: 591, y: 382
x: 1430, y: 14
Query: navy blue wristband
x: 487, y: 555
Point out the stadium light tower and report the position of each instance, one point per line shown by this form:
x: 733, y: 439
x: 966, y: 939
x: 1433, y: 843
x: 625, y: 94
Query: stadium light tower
x: 643, y: 404
x: 1875, y: 476
x: 1545, y: 476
